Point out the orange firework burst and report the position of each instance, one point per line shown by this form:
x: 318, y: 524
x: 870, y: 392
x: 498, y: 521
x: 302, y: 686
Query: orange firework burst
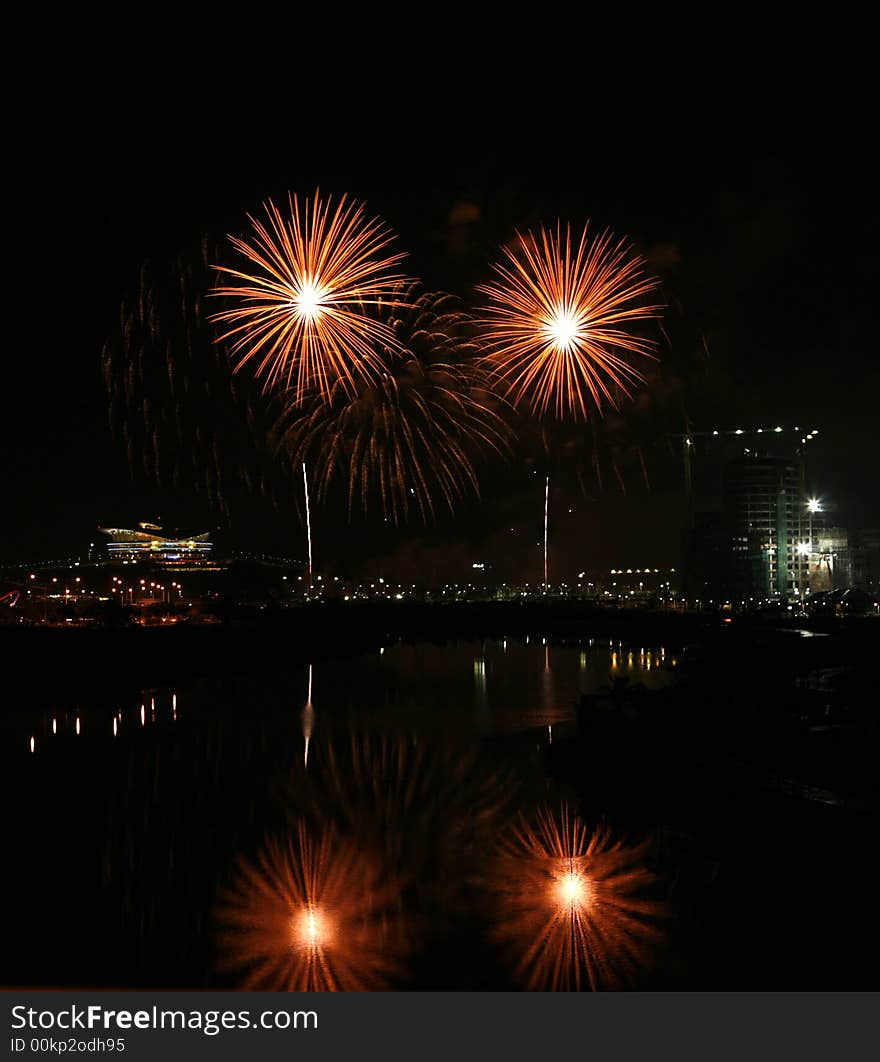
x: 574, y: 911
x: 556, y: 326
x: 311, y: 914
x: 299, y: 309
x: 411, y: 440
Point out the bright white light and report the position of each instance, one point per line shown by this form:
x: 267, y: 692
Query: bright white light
x: 309, y: 929
x: 308, y: 301
x: 564, y: 330
x: 573, y: 889
x: 814, y: 505
x: 803, y: 548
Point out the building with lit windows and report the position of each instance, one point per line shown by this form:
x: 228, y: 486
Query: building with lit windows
x: 764, y: 540
x: 149, y: 544
x: 763, y: 498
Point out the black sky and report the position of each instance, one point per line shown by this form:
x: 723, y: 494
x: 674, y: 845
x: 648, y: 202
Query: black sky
x: 758, y: 196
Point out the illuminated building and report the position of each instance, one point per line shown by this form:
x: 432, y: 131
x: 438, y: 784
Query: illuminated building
x: 752, y: 530
x: 763, y: 500
x: 149, y: 544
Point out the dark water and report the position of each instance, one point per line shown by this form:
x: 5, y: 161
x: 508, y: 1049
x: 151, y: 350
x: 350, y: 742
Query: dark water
x: 132, y: 808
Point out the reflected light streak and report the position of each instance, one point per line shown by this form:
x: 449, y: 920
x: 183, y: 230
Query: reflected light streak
x: 308, y: 720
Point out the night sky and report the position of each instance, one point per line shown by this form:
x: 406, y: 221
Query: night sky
x: 756, y: 206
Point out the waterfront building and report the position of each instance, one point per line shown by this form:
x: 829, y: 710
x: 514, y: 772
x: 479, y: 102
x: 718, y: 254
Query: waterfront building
x: 149, y: 544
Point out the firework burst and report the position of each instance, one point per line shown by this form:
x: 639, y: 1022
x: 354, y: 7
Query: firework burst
x: 557, y: 323
x: 313, y: 913
x: 411, y: 438
x: 574, y: 913
x: 298, y: 304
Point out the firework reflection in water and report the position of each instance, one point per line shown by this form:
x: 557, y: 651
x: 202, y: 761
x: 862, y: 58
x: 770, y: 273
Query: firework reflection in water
x: 314, y: 912
x: 575, y: 912
x: 430, y: 808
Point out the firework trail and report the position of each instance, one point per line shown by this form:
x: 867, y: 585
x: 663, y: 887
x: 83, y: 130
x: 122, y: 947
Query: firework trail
x: 573, y: 911
x: 546, y: 526
x: 308, y: 531
x: 298, y: 303
x: 558, y: 318
x: 310, y: 914
x: 412, y: 438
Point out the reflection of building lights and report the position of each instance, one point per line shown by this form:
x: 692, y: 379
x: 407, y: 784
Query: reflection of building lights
x: 33, y: 744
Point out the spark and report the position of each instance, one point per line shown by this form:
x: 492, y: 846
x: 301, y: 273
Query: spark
x: 557, y: 321
x: 299, y: 309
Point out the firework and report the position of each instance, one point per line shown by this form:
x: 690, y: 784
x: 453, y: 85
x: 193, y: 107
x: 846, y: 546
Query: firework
x: 557, y: 323
x: 310, y: 914
x: 412, y: 438
x: 308, y: 524
x: 574, y: 912
x: 430, y: 808
x: 546, y: 529
x: 298, y: 304
x: 186, y: 421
